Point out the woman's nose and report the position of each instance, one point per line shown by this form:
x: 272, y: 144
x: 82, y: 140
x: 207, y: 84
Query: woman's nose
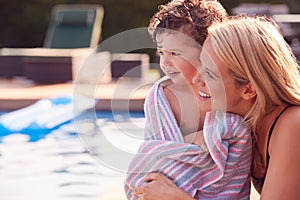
x: 198, y: 80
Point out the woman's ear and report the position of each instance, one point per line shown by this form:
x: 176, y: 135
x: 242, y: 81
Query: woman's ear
x: 249, y: 91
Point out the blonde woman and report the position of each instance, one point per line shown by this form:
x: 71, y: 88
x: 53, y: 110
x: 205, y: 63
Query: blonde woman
x: 248, y: 69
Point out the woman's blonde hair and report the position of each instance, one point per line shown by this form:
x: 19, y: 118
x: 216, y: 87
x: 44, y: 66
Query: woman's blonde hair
x: 255, y: 52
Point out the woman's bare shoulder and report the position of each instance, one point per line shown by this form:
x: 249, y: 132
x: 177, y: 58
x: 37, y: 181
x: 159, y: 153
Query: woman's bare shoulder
x: 288, y: 125
x: 283, y: 175
x: 290, y: 119
x: 284, y: 143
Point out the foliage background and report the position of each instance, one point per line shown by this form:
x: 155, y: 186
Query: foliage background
x: 24, y: 22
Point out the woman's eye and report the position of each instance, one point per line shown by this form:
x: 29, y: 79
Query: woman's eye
x: 205, y: 73
x: 208, y: 75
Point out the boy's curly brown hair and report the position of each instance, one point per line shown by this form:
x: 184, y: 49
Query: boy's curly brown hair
x: 191, y: 17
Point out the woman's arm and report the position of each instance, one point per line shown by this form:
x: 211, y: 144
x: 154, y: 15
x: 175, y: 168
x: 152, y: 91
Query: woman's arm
x: 160, y: 187
x: 283, y: 175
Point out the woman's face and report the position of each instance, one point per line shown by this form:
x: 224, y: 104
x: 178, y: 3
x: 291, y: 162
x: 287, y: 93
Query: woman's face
x: 215, y: 82
x: 179, y: 58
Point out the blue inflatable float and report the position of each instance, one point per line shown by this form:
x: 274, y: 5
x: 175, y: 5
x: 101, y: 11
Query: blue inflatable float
x: 40, y: 118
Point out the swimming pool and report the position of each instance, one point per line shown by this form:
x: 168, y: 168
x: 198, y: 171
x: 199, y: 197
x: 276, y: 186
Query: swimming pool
x: 59, y: 164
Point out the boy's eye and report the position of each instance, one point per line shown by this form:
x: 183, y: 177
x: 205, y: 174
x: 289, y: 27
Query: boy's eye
x: 160, y: 52
x: 175, y: 53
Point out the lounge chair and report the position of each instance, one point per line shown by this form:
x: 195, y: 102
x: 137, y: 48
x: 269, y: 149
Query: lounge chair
x: 73, y: 28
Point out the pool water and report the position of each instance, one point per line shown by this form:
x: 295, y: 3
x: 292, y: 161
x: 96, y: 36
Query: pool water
x: 60, y: 165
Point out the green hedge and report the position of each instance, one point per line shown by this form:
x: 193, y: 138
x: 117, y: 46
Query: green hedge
x: 24, y: 22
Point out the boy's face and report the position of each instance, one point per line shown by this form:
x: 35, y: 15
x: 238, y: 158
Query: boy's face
x: 179, y: 56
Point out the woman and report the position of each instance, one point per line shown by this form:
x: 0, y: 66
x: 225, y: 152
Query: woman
x: 248, y: 69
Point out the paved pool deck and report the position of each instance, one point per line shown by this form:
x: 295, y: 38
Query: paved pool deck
x: 124, y: 94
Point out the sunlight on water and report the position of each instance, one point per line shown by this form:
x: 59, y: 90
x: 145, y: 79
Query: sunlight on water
x: 59, y: 167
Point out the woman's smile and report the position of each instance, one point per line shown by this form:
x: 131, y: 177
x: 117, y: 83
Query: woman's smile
x: 204, y: 95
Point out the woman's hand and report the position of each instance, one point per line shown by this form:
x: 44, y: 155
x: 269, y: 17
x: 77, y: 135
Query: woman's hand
x: 160, y: 187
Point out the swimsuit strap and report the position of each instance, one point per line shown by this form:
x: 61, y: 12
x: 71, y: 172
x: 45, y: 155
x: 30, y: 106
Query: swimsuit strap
x: 270, y: 134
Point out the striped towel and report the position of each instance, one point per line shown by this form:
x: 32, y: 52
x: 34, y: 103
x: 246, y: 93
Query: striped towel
x: 220, y: 170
